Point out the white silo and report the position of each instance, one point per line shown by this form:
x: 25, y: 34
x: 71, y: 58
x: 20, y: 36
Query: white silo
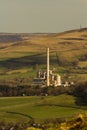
x: 58, y: 78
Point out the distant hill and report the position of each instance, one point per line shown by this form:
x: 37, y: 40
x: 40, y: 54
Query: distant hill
x: 73, y: 43
x: 15, y: 37
x: 28, y: 50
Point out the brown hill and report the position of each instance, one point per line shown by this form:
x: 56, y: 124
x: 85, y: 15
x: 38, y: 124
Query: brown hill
x: 68, y: 45
x: 21, y: 54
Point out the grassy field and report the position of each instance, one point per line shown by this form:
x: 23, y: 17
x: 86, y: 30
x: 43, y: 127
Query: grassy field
x: 83, y: 64
x: 40, y: 108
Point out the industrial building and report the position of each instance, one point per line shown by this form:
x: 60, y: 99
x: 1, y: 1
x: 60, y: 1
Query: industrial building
x: 47, y: 77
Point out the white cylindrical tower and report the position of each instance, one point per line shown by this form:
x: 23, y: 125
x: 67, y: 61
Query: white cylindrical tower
x: 58, y: 80
x: 48, y: 83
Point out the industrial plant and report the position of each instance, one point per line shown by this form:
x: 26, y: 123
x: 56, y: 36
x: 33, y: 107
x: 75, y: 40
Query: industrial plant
x: 47, y: 77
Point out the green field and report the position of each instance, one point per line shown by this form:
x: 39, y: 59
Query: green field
x: 14, y: 109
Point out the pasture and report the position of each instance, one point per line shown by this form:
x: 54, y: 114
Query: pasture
x: 14, y: 109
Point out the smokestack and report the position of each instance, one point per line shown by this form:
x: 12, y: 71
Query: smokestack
x: 48, y: 67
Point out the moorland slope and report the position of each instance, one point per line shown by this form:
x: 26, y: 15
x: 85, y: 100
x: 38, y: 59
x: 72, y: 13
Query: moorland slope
x: 20, y: 52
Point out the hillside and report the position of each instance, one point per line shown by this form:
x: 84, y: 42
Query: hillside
x: 67, y: 42
x: 22, y: 54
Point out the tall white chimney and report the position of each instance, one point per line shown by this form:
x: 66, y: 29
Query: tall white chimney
x: 48, y: 83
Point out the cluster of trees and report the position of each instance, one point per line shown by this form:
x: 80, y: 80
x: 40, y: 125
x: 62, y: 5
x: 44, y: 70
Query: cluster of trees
x: 79, y: 91
x: 30, y: 90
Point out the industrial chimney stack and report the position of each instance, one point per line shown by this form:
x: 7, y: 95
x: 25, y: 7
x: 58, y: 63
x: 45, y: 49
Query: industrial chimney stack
x: 48, y: 67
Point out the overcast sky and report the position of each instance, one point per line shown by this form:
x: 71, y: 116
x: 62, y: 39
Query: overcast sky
x: 42, y: 15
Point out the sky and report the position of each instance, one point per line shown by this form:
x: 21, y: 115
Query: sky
x: 42, y: 16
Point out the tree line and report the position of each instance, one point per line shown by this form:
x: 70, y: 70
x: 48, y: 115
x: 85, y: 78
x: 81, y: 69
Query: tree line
x: 78, y: 90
